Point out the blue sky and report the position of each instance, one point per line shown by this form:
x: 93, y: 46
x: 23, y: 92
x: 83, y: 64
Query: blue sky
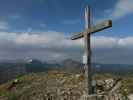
x: 60, y: 15
x: 34, y: 29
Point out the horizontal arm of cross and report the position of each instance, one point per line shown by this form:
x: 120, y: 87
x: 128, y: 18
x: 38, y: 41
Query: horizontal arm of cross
x: 98, y: 27
x: 77, y: 36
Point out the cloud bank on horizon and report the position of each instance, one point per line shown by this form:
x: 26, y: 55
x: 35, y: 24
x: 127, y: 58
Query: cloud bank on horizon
x: 53, y: 46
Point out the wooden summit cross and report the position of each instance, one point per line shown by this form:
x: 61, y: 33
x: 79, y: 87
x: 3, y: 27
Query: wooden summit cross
x: 86, y: 34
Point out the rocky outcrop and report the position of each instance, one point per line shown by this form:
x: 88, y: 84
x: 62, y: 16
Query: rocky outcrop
x: 57, y: 85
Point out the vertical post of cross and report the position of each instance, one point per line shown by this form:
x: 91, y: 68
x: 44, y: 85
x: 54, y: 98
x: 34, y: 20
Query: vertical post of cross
x: 89, y: 30
x: 87, y: 66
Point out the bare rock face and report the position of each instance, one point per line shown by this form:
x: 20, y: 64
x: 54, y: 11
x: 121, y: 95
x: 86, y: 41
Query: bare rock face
x: 130, y: 96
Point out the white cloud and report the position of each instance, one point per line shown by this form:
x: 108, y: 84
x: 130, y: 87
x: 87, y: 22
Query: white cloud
x: 45, y: 45
x: 112, y: 42
x: 57, y: 39
x: 127, y: 42
x: 54, y: 46
x: 122, y: 8
x: 45, y: 39
x: 104, y: 42
x: 30, y: 39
